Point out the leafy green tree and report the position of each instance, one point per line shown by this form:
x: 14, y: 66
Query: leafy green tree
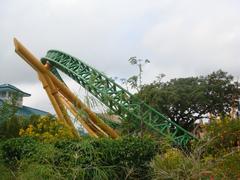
x: 221, y: 93
x: 186, y: 100
x: 7, y: 110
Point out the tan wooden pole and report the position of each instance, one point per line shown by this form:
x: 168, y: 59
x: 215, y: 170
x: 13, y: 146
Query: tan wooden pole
x: 51, y: 97
x: 56, y: 96
x: 57, y: 104
x: 88, y: 125
x: 79, y: 104
x: 72, y: 109
x: 93, y: 126
x: 35, y: 63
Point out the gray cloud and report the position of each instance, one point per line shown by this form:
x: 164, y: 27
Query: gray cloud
x: 181, y: 38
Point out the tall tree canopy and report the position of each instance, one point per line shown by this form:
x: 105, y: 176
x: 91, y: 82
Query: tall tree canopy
x: 186, y: 100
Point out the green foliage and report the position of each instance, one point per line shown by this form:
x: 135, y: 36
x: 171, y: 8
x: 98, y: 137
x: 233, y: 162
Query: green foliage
x: 225, y: 135
x: 186, y: 100
x: 217, y: 155
x: 39, y: 171
x: 180, y: 99
x: 86, y: 159
x: 16, y: 149
x: 223, y: 138
x: 176, y: 165
x: 10, y: 122
x: 47, y: 129
x: 10, y: 127
x: 114, y: 157
x: 135, y: 81
x: 8, y: 109
x: 221, y: 93
x: 228, y: 167
x: 6, y: 173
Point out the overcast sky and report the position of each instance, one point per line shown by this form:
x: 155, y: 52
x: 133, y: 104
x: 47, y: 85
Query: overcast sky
x: 180, y: 37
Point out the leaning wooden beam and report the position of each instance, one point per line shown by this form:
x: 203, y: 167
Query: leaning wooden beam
x: 35, y: 63
x: 53, y: 95
x: 91, y: 128
x: 92, y: 132
x: 56, y: 95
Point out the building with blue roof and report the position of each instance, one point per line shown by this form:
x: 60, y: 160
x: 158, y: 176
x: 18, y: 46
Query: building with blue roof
x: 9, y: 92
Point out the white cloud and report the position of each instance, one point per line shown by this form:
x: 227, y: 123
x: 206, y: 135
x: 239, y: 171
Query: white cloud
x: 181, y: 38
x: 198, y: 38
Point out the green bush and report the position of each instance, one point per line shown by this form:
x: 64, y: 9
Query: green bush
x: 122, y: 157
x: 39, y: 171
x: 228, y: 167
x: 15, y: 149
x: 175, y: 165
x: 86, y: 159
x: 5, y: 172
x: 223, y: 134
x: 217, y: 155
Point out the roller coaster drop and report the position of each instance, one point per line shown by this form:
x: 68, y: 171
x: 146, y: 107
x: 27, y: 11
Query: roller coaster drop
x: 116, y: 98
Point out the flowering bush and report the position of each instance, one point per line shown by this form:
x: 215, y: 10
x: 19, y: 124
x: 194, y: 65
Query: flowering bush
x: 47, y: 129
x: 223, y: 134
x: 216, y: 156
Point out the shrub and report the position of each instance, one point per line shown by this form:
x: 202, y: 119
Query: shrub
x: 224, y: 135
x: 39, y: 171
x: 228, y: 167
x: 5, y: 173
x: 217, y: 155
x: 47, y: 129
x: 174, y: 164
x: 119, y: 158
x: 15, y: 149
x: 86, y: 159
x: 9, y: 128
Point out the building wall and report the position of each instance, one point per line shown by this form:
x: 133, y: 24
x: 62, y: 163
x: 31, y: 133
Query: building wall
x: 8, y: 97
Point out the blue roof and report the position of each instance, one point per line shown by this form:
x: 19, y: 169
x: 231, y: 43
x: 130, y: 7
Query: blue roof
x: 9, y: 87
x: 28, y: 111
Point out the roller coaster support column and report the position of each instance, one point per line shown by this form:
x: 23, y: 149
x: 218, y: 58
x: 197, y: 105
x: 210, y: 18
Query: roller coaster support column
x: 57, y: 103
x: 35, y: 64
x: 72, y: 109
x: 72, y: 98
x: 50, y: 96
x: 89, y: 126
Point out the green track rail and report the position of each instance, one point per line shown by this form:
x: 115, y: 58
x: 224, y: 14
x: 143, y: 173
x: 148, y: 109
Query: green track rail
x: 120, y: 101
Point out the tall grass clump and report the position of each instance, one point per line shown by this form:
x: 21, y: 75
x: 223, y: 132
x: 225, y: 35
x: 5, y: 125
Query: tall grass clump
x: 216, y: 155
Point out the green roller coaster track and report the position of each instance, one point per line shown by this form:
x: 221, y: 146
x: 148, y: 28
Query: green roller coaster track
x: 120, y: 101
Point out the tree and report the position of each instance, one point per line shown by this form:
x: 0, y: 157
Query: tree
x: 221, y: 93
x: 186, y: 100
x: 135, y: 81
x: 8, y: 109
x: 9, y: 122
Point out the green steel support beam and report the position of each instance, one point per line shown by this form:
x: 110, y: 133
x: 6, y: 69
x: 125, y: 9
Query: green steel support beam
x: 115, y: 97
